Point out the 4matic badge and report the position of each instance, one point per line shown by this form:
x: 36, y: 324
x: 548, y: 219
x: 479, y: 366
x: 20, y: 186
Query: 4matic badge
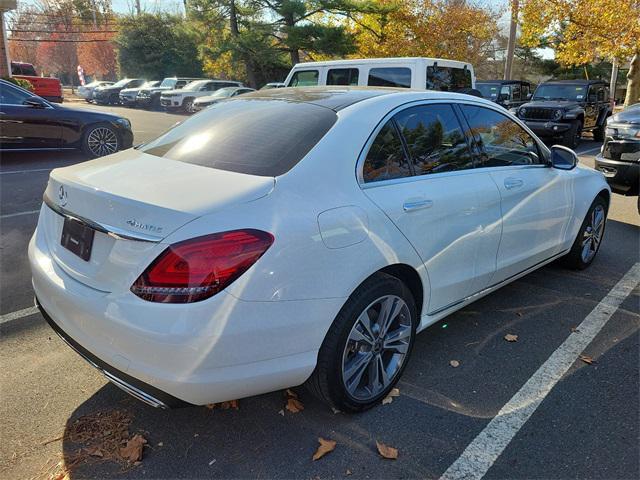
x: 144, y: 226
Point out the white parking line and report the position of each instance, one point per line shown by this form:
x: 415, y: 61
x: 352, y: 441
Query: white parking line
x: 485, y: 449
x: 17, y: 214
x: 12, y: 172
x: 594, y: 149
x: 25, y: 312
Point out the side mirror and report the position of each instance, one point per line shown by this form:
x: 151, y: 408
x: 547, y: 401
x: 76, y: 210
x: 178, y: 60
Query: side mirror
x: 35, y: 102
x: 529, y: 96
x: 563, y: 158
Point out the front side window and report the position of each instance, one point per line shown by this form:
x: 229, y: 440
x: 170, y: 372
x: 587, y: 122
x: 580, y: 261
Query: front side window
x: 504, y: 142
x: 448, y: 78
x: 304, y: 78
x: 516, y: 92
x: 386, y: 159
x: 342, y: 76
x: 12, y: 96
x: 390, y: 77
x: 238, y: 136
x: 434, y: 139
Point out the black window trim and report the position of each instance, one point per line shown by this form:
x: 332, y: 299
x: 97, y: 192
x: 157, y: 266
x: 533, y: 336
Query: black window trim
x: 417, y: 178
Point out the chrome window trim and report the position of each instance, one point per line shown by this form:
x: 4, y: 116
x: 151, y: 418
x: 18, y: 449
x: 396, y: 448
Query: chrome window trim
x: 114, y: 232
x: 365, y: 150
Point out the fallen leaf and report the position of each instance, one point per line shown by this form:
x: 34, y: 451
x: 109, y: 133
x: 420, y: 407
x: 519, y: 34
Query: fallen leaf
x: 95, y: 451
x: 291, y: 393
x: 348, y: 472
x: 212, y: 462
x: 587, y: 359
x: 160, y: 444
x: 510, y: 337
x: 519, y: 314
x: 386, y: 451
x: 224, y: 405
x: 395, y: 392
x: 454, y: 363
x: 132, y: 451
x: 387, y: 400
x: 575, y: 329
x: 325, y: 447
x: 281, y: 412
x: 294, y: 405
x: 335, y: 410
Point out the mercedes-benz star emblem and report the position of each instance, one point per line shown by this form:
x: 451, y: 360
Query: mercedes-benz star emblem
x: 62, y: 196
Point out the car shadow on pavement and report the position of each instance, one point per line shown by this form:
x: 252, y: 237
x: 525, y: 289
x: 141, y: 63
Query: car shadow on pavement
x: 15, y: 161
x: 441, y: 408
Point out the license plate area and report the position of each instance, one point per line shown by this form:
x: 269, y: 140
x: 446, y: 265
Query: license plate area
x: 77, y: 238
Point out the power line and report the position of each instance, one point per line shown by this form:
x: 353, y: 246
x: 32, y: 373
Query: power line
x: 11, y: 39
x: 58, y: 31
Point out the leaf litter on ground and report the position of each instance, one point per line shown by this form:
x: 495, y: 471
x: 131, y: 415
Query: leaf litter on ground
x: 386, y: 451
x: 294, y: 405
x: 395, y: 392
x: 510, y: 337
x: 325, y: 447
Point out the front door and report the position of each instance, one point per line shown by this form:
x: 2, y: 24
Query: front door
x: 419, y: 171
x: 536, y: 200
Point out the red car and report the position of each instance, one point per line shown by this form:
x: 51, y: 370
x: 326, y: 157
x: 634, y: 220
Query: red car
x: 47, y: 88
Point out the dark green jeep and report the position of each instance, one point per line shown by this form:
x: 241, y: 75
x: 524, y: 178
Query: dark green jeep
x: 564, y: 109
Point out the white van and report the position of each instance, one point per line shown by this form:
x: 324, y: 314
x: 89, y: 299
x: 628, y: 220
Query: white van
x: 408, y: 72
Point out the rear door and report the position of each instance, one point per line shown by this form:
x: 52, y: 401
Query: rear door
x: 23, y: 126
x: 536, y: 200
x: 419, y: 171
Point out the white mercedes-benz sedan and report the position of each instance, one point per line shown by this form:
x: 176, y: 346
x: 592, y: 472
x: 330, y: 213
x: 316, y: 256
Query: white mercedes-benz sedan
x: 296, y: 236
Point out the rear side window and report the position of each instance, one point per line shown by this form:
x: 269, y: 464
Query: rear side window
x: 386, y: 159
x: 448, y: 78
x: 434, y: 139
x: 252, y: 136
x: 304, y: 78
x: 504, y: 142
x: 342, y: 76
x: 390, y: 77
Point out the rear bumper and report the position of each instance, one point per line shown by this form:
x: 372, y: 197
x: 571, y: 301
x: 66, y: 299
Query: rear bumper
x: 547, y: 129
x: 219, y: 349
x: 623, y: 177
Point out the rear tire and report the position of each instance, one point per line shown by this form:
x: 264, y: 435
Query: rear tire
x: 599, y: 132
x: 366, y: 350
x: 589, y: 238
x: 572, y: 137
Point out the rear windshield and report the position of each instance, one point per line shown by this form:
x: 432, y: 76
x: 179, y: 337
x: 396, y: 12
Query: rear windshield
x: 253, y: 136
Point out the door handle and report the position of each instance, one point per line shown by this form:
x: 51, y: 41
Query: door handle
x: 412, y: 205
x: 510, y: 183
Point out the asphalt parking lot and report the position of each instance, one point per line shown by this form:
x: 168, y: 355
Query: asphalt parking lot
x: 494, y: 413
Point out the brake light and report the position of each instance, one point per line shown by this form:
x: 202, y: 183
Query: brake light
x: 199, y: 268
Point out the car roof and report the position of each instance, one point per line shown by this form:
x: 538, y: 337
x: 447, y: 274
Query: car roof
x: 337, y: 97
x: 374, y: 61
x: 580, y: 81
x: 504, y: 82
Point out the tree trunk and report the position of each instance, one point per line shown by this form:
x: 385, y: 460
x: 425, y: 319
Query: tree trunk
x: 235, y: 32
x: 293, y: 52
x: 633, y: 81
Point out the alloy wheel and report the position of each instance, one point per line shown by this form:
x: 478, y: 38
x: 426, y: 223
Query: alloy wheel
x: 102, y: 141
x: 376, y: 347
x: 592, y: 235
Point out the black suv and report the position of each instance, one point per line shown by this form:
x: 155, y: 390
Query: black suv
x: 508, y: 93
x: 620, y: 156
x: 150, y: 97
x: 566, y: 108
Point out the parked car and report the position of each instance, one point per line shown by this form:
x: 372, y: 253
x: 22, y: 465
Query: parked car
x: 241, y: 258
x: 110, y: 94
x: 508, y: 93
x: 409, y: 72
x: 221, y: 94
x: 86, y: 91
x: 564, y: 109
x: 48, y: 88
x: 272, y: 85
x: 150, y: 97
x: 29, y: 122
x: 183, y: 99
x: 129, y: 96
x: 619, y: 158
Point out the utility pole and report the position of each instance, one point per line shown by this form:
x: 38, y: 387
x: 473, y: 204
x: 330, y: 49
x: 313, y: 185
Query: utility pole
x: 614, y: 79
x: 511, y: 46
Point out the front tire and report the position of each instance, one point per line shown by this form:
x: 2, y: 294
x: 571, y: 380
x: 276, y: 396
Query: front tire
x: 100, y: 140
x: 599, y: 132
x: 367, y: 347
x: 187, y: 105
x: 589, y: 238
x: 572, y: 137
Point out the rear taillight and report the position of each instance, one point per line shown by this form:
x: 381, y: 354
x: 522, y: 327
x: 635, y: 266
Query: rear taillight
x: 199, y: 268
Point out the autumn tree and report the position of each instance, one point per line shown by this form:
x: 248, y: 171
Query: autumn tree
x: 96, y: 53
x: 433, y: 28
x: 582, y: 31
